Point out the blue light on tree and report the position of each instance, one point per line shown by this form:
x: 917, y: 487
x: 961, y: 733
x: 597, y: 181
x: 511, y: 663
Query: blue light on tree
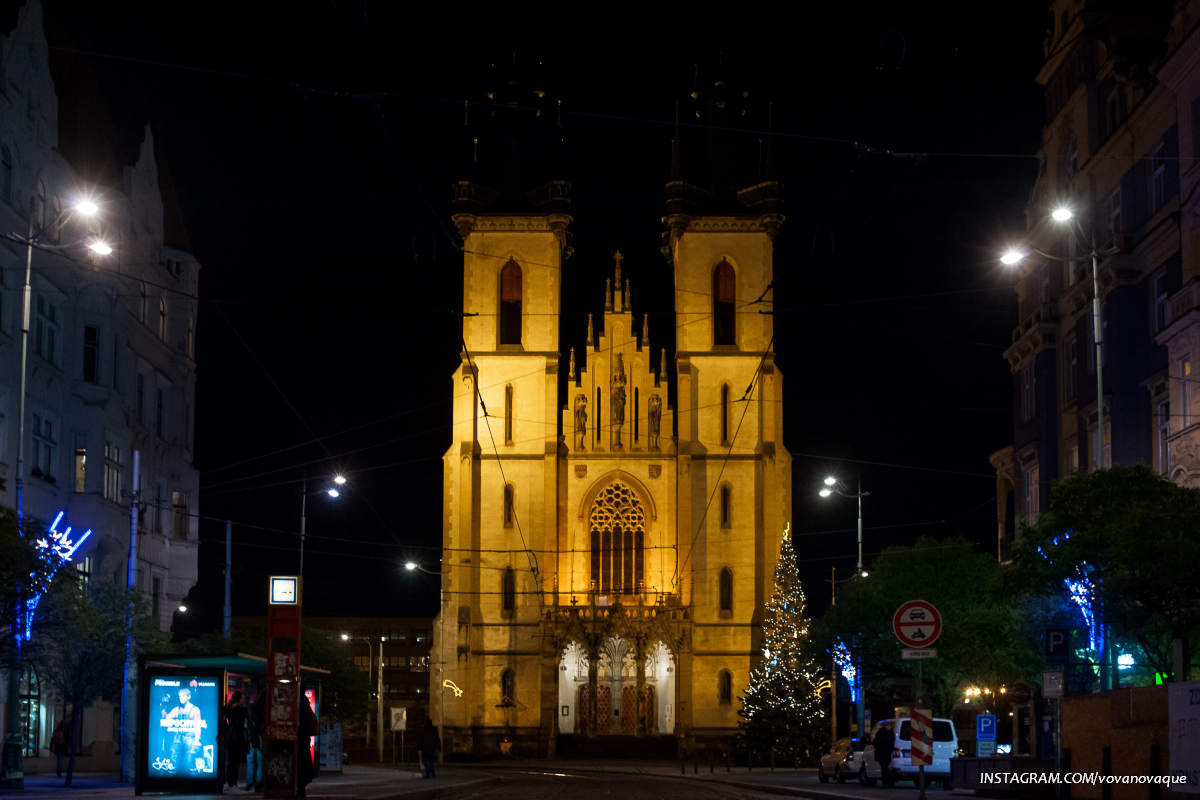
x: 1082, y: 591
x: 845, y: 663
x: 53, y: 550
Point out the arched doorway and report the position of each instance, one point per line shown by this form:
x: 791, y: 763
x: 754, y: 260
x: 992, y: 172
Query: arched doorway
x: 614, y: 709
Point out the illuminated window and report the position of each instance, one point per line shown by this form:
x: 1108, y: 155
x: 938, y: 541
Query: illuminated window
x: 510, y: 304
x: 726, y: 590
x: 618, y: 536
x: 723, y: 290
x: 80, y: 463
x: 724, y: 687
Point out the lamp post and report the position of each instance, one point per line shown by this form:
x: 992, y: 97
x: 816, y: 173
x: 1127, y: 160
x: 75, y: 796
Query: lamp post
x: 40, y: 238
x: 370, y: 640
x: 334, y: 491
x: 831, y: 486
x: 835, y: 485
x: 1063, y: 215
x: 412, y: 566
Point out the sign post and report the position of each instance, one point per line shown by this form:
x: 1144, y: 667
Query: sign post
x: 985, y: 734
x: 917, y: 624
x: 282, y: 750
x: 399, y: 723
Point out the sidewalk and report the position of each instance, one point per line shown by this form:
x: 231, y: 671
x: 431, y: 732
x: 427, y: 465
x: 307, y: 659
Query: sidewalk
x: 357, y: 781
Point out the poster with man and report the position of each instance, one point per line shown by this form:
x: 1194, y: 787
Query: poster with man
x: 182, y: 725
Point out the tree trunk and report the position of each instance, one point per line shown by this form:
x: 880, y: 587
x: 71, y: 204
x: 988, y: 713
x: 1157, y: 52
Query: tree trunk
x: 75, y: 738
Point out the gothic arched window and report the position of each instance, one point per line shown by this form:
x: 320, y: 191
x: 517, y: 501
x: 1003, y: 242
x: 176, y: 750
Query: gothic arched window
x: 618, y: 542
x: 723, y: 294
x: 508, y: 688
x: 510, y: 505
x: 508, y: 414
x: 508, y: 590
x: 726, y: 590
x: 510, y: 303
x: 724, y: 687
x: 725, y: 413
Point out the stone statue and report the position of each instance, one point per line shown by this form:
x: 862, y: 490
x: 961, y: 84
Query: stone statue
x: 618, y: 401
x: 580, y: 420
x: 655, y: 412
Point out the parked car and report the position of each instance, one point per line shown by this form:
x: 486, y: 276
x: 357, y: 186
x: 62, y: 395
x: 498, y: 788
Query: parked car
x: 945, y: 747
x: 843, y: 760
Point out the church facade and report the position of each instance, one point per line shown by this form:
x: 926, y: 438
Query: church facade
x: 607, y: 550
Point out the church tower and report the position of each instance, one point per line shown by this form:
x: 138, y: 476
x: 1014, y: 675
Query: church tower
x: 734, y: 474
x: 500, y: 472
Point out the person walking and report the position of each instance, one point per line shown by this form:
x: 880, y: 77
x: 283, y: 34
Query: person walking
x: 235, y: 738
x: 255, y: 722
x: 884, y: 742
x: 58, y: 743
x: 430, y: 745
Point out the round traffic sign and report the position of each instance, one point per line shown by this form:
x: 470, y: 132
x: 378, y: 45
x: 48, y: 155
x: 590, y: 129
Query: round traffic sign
x: 917, y: 623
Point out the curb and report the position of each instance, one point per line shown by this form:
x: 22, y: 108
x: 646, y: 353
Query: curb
x: 434, y: 792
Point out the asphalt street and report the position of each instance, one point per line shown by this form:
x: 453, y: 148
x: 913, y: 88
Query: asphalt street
x: 629, y: 782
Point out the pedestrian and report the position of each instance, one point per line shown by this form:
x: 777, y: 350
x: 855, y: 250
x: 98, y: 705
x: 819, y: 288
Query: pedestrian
x: 430, y: 745
x: 58, y: 743
x: 884, y: 741
x: 305, y: 730
x: 235, y: 738
x: 255, y: 722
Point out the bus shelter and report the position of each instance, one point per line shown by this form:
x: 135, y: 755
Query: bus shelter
x: 181, y: 702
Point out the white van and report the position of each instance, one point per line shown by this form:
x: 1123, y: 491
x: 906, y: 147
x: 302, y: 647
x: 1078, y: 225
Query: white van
x: 945, y: 745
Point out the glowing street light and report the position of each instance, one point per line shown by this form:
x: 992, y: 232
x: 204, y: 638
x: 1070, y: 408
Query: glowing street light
x: 85, y: 207
x: 1011, y: 257
x: 332, y: 492
x: 1062, y: 214
x: 182, y: 608
x: 100, y: 247
x: 410, y: 565
x: 340, y: 480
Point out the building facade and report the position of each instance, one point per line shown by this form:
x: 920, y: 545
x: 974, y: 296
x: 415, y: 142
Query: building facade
x: 607, y: 551
x: 1119, y: 147
x: 111, y: 359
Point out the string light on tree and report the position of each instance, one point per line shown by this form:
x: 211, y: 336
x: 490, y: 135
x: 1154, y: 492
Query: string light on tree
x: 781, y: 708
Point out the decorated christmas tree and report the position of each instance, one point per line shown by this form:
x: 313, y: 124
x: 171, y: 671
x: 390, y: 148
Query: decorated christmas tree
x: 781, y: 710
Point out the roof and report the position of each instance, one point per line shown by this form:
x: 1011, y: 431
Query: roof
x: 241, y: 663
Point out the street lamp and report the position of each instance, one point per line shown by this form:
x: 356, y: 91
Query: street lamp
x: 413, y: 566
x: 42, y: 239
x: 332, y: 491
x: 1063, y: 215
x: 833, y: 485
x: 370, y: 640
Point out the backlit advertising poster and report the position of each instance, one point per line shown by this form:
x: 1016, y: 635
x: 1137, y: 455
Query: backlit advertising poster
x: 180, y: 720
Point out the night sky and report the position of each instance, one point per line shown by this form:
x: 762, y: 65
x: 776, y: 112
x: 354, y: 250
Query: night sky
x: 311, y: 148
